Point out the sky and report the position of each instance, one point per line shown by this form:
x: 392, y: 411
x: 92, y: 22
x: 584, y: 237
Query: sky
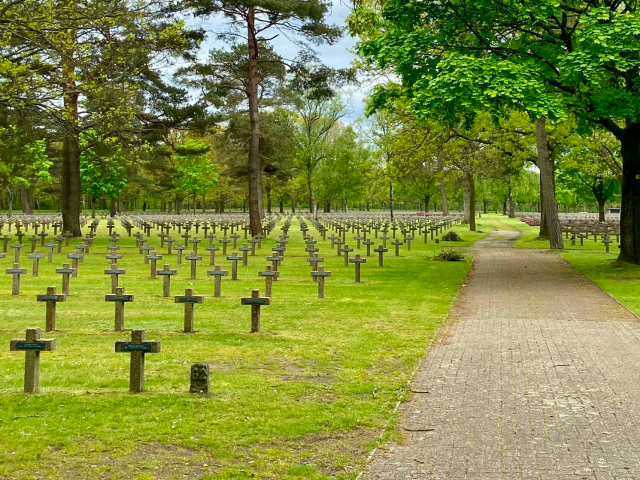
x: 335, y: 56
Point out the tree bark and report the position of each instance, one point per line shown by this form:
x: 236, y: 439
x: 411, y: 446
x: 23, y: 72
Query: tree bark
x: 512, y: 209
x: 70, y: 171
x: 112, y: 207
x: 281, y: 206
x: 469, y: 193
x: 25, y: 201
x: 268, y: 191
x: 427, y: 201
x: 443, y: 198
x: 255, y: 170
x: 601, y: 214
x: 547, y: 186
x: 630, y: 212
x: 391, y: 200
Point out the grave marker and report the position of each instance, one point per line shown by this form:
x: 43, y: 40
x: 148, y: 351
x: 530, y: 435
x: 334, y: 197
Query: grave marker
x: 269, y: 276
x: 193, y: 258
x: 115, y: 272
x: 16, y: 271
x: 217, y: 273
x: 32, y: 346
x: 189, y: 300
x: 234, y: 265
x: 166, y: 274
x: 51, y: 298
x: 358, y: 261
x: 199, y: 378
x: 320, y: 274
x: 66, y: 272
x: 138, y: 347
x: 119, y: 298
x: 36, y: 257
x: 256, y: 301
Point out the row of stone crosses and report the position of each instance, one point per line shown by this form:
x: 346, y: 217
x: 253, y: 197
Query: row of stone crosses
x: 33, y: 344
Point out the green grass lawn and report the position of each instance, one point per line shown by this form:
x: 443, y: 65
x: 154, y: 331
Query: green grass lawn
x: 307, y: 398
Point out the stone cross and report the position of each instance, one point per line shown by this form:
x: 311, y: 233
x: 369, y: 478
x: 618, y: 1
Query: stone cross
x: 119, y: 298
x: 5, y: 241
x: 384, y: 239
x: 195, y: 242
x: 179, y: 248
x: 320, y: 274
x: 397, y: 244
x: 253, y: 242
x: 166, y: 274
x: 16, y: 247
x: 32, y: 346
x: 339, y: 243
x: 245, y: 249
x: 224, y: 241
x: 358, y: 239
x: 169, y: 241
x: 194, y: 258
x: 408, y: 241
x: 16, y: 271
x: 66, y: 272
x: 52, y: 298
x: 217, y: 273
x: 381, y: 250
x: 234, y: 265
x: 346, y: 251
x: 33, y: 241
x: 275, y: 262
x: 115, y: 272
x: 50, y: 247
x: 146, y: 250
x: 199, y: 378
x: 607, y: 241
x: 368, y: 244
x: 256, y: 301
x: 75, y: 258
x: 269, y: 276
x: 235, y: 238
x: 314, y: 261
x: 36, y: 257
x: 189, y: 300
x: 153, y: 258
x: 138, y: 347
x: 358, y: 261
x: 212, y: 249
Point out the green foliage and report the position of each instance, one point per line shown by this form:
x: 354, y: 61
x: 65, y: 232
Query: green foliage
x: 102, y: 170
x: 23, y: 160
x: 195, y: 173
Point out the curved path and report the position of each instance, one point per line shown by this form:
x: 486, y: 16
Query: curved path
x: 537, y: 376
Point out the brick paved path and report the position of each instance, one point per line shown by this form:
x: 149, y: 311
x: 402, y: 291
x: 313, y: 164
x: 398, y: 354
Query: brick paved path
x: 537, y: 377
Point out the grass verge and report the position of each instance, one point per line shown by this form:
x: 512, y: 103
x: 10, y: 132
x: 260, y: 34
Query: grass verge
x: 305, y: 399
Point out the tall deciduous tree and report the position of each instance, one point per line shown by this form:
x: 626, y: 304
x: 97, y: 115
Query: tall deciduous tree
x: 251, y: 21
x: 540, y: 56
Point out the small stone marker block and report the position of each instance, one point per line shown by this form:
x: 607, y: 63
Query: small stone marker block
x: 189, y: 300
x: 32, y: 346
x: 119, y: 298
x: 256, y: 301
x: 52, y: 298
x: 137, y: 347
x: 199, y: 378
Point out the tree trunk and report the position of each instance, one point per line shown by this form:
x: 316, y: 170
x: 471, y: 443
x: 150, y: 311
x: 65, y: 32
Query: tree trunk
x: 25, y: 201
x: 547, y: 184
x: 427, y: 201
x: 544, y: 228
x: 630, y: 212
x: 601, y: 214
x: 112, y: 207
x: 293, y: 205
x: 70, y: 171
x: 469, y: 193
x: 255, y: 171
x: 511, y: 203
x: 10, y: 196
x: 268, y: 191
x: 281, y: 206
x: 204, y: 203
x: 327, y: 206
x: 443, y: 198
x: 391, y: 199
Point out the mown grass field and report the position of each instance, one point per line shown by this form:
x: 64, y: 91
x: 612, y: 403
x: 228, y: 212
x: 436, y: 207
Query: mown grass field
x: 307, y: 398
